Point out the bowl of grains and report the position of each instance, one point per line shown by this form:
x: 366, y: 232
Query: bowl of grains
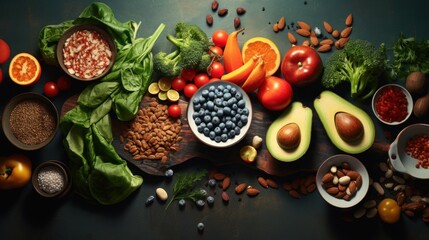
x: 342, y: 180
x: 51, y: 179
x: 392, y: 104
x: 409, y: 153
x: 30, y: 121
x: 86, y: 52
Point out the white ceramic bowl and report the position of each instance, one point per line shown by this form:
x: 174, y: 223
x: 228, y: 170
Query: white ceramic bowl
x: 401, y: 161
x: 207, y: 140
x: 355, y: 165
x: 407, y: 95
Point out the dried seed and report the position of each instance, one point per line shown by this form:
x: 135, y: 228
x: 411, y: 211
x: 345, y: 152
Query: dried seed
x: 349, y: 20
x: 272, y: 184
x: 219, y: 176
x: 311, y: 188
x: 378, y: 188
x: 275, y: 27
x: 324, y: 48
x: 360, y: 212
x: 314, y: 40
x: 240, y: 188
x: 303, y: 32
x: 252, y: 191
x: 209, y: 19
x: 215, y: 5
x: 371, y: 213
x: 346, y: 32
x: 291, y: 38
x: 282, y: 23
x: 327, y: 27
x: 222, y: 12
x: 303, y: 25
x: 237, y: 22
x: 335, y: 34
x: 225, y: 197
x: 294, y: 194
x: 333, y: 190
x: 240, y: 11
x: 226, y: 183
x: 328, y: 177
x: 262, y: 182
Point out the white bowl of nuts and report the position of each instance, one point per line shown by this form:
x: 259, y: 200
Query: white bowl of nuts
x: 342, y: 180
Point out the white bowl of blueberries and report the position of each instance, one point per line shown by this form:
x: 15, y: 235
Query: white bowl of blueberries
x: 220, y: 114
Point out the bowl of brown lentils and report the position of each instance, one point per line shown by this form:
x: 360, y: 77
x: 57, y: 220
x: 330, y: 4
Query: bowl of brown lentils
x: 30, y: 121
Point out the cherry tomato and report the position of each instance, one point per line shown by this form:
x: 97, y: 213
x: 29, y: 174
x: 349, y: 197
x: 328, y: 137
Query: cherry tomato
x: 174, y: 110
x: 216, y: 70
x: 214, y: 79
x: 301, y: 66
x: 188, y: 74
x: 275, y: 93
x: 64, y: 83
x: 201, y: 79
x: 51, y: 89
x: 178, y: 83
x: 190, y: 90
x: 4, y: 51
x: 1, y: 75
x: 216, y: 52
x: 389, y: 210
x: 219, y: 38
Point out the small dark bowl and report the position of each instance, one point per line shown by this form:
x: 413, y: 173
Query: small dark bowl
x: 52, y: 165
x: 11, y: 106
x: 91, y: 27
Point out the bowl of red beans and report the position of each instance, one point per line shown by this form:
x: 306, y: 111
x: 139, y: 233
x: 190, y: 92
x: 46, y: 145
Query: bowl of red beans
x: 392, y: 104
x: 409, y: 153
x: 86, y: 52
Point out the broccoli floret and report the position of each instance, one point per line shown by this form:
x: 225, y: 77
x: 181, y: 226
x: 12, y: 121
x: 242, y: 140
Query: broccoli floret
x: 167, y: 64
x: 359, y: 63
x: 204, y: 63
x: 192, y: 47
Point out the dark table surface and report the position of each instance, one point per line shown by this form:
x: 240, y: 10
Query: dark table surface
x: 271, y: 215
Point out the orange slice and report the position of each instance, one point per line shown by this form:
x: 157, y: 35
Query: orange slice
x: 265, y: 49
x: 24, y: 69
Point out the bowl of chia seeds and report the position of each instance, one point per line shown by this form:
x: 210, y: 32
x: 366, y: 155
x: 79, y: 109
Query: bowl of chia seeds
x: 30, y: 121
x: 51, y: 179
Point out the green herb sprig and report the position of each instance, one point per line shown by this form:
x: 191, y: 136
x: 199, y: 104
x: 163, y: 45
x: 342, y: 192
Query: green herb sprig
x: 184, y: 187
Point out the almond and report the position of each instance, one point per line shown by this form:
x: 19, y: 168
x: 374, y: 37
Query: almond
x: 287, y: 186
x: 340, y: 194
x: 294, y: 194
x: 311, y: 188
x: 240, y: 188
x: 324, y: 48
x: 335, y: 34
x: 343, y: 41
x: 359, y: 182
x: 225, y: 183
x: 333, y: 190
x: 352, y: 188
x: 296, y: 183
x: 276, y: 27
x: 327, y: 177
x: 291, y: 38
x: 345, y: 166
x: 225, y: 196
x: 313, y: 39
x: 252, y: 191
x: 303, y: 32
x: 303, y: 25
x: 327, y: 42
x: 349, y: 20
x: 219, y: 176
x: 346, y: 32
x: 272, y: 184
x: 327, y: 27
x: 262, y: 182
x: 353, y: 175
x: 282, y: 23
x: 306, y: 43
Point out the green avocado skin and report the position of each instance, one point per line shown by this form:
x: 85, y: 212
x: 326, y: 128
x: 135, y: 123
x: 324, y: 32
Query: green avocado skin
x: 295, y: 113
x: 327, y: 105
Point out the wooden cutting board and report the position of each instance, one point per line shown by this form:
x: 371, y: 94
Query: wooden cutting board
x: 190, y: 147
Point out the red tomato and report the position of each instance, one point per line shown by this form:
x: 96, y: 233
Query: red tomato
x: 219, y: 38
x: 188, y: 74
x: 178, y: 83
x: 216, y: 52
x: 201, y: 79
x: 216, y: 70
x: 1, y: 75
x: 4, y: 51
x: 50, y: 89
x: 174, y: 110
x: 275, y: 93
x: 214, y: 79
x: 64, y: 83
x: 301, y: 66
x: 190, y: 90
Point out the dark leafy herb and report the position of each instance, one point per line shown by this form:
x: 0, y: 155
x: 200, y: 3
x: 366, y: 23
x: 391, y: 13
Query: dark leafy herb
x: 184, y: 187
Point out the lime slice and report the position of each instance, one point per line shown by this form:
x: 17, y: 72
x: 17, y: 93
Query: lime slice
x: 153, y: 88
x: 173, y: 95
x: 164, y: 84
x: 248, y: 153
x: 162, y: 95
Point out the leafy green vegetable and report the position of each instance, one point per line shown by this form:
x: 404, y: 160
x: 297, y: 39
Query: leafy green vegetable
x: 98, y: 172
x: 184, y: 187
x: 409, y: 55
x: 192, y: 46
x: 360, y: 63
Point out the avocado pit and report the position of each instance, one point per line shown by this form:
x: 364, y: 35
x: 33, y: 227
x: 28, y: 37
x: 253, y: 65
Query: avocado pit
x: 349, y: 127
x: 289, y: 136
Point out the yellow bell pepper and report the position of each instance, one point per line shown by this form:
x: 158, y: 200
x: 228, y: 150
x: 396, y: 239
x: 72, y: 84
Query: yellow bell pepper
x: 15, y: 171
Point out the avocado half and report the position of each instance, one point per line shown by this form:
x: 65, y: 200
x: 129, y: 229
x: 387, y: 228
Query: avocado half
x: 327, y: 105
x: 295, y: 113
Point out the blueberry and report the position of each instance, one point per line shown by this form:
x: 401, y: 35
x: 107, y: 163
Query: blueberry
x: 211, y: 95
x: 200, y: 128
x: 231, y: 134
x: 219, y: 94
x: 213, y: 114
x: 244, y: 119
x: 233, y: 90
x: 182, y: 203
x: 196, y: 101
x: 212, y: 182
x: 197, y: 120
x: 200, y: 203
x: 240, y: 111
x: 210, y: 126
x: 169, y: 173
x: 215, y: 120
x: 240, y: 124
x: 233, y: 112
x: 228, y: 124
x: 210, y: 105
x: 212, y: 88
x: 206, y: 131
x: 222, y: 125
x: 219, y: 112
x: 227, y: 96
x: 221, y: 87
x: 227, y: 118
x: 205, y: 93
x: 228, y: 87
x: 218, y: 139
x: 241, y: 103
x: 210, y: 200
x: 207, y: 118
x: 246, y: 111
x: 224, y: 137
x: 234, y: 106
x: 149, y: 200
x: 200, y: 227
x: 201, y: 99
x: 225, y: 130
x: 197, y: 107
x: 212, y: 134
x: 217, y: 131
x: 237, y: 130
x: 227, y: 110
x: 231, y: 101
